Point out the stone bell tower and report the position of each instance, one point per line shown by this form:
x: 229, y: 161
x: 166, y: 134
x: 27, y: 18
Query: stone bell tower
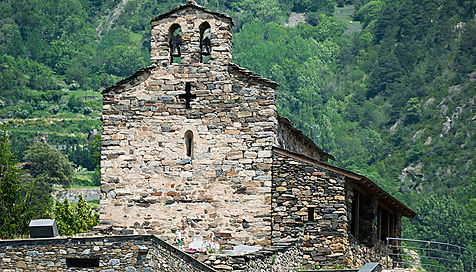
x: 187, y: 142
x: 191, y: 34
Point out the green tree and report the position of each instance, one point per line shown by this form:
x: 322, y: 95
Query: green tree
x: 466, y: 59
x: 74, y: 103
x: 369, y: 12
x: 71, y: 220
x: 49, y: 166
x: 95, y: 148
x: 82, y: 156
x: 385, y: 73
x: 123, y: 60
x: 264, y: 11
x: 10, y: 39
x: 413, y: 110
x: 10, y: 218
x: 18, y: 202
x: 441, y: 218
x: 324, y: 6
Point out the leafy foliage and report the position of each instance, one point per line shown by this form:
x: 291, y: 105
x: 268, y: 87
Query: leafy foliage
x: 441, y: 218
x: 71, y: 220
x: 18, y: 203
x: 49, y: 166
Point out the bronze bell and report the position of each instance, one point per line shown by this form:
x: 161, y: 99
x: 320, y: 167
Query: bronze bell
x: 206, y: 47
x: 175, y: 44
x: 175, y: 51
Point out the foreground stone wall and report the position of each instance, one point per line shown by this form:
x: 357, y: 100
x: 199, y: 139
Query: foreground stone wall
x: 300, y: 188
x: 144, y: 253
x: 275, y: 258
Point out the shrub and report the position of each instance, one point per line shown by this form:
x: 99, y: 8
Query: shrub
x: 72, y: 220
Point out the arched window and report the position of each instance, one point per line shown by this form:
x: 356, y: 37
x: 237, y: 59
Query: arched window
x: 205, y: 42
x: 189, y: 143
x: 175, y: 43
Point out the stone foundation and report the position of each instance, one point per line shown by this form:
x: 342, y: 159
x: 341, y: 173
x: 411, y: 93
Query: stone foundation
x: 361, y: 254
x: 276, y: 259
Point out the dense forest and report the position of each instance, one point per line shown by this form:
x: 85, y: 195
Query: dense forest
x: 387, y: 87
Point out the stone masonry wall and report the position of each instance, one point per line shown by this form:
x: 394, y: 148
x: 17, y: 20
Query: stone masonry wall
x: 223, y: 189
x: 275, y: 258
x: 190, y: 18
x: 298, y: 188
x: 143, y: 253
x: 359, y: 254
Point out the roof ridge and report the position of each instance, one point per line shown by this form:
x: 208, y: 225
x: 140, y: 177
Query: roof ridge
x: 252, y: 74
x: 301, y: 134
x: 192, y: 4
x: 128, y: 79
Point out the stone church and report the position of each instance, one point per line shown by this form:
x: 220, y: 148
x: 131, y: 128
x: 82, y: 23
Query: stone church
x: 194, y: 144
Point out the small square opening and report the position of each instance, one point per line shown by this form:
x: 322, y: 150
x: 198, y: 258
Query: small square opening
x: 82, y: 262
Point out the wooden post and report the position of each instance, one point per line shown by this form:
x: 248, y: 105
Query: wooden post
x: 392, y: 225
x: 379, y: 223
x: 388, y: 224
x: 357, y: 215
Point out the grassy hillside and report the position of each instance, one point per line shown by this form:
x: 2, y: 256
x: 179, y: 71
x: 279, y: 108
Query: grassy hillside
x: 387, y: 87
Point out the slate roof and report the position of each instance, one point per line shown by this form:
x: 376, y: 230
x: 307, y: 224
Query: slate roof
x: 362, y: 181
x: 132, y: 80
x: 193, y: 5
x: 304, y: 138
x: 253, y: 75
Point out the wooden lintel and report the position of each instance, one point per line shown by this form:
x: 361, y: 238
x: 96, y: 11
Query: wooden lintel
x: 360, y: 190
x: 392, y: 211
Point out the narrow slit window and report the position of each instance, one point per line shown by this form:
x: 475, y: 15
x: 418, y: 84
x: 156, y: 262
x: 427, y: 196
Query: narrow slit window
x: 189, y: 143
x: 310, y: 214
x: 175, y: 43
x: 82, y: 262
